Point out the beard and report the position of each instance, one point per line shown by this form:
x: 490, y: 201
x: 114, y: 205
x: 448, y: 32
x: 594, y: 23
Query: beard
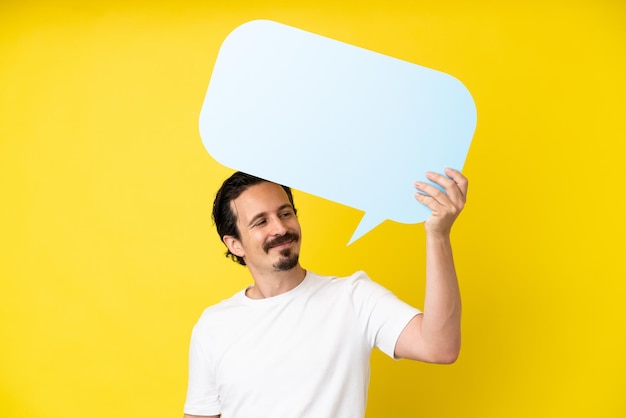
x: 288, y: 258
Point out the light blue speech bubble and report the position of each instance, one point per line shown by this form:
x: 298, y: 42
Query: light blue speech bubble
x: 334, y: 120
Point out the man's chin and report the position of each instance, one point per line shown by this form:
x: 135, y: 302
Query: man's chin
x: 287, y: 262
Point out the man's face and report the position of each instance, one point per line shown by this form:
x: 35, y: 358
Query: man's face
x: 269, y: 231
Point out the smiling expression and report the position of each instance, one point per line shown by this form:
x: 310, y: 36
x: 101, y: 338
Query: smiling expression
x: 269, y: 231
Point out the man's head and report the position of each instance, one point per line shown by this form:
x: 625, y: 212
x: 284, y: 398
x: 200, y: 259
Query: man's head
x: 254, y: 217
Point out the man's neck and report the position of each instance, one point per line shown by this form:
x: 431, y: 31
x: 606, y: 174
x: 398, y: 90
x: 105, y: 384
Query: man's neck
x: 274, y: 283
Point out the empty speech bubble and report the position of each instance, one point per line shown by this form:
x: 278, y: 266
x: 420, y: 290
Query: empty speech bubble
x: 334, y: 120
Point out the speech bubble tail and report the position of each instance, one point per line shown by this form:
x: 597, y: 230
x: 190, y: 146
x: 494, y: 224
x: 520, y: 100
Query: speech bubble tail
x: 368, y: 222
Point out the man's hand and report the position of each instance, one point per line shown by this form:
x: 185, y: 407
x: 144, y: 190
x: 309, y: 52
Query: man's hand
x: 447, y: 206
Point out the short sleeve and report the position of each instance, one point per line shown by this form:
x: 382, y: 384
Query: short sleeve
x: 202, y: 394
x: 381, y: 314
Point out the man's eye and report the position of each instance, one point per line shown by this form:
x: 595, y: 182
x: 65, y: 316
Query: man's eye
x: 285, y: 214
x: 260, y: 223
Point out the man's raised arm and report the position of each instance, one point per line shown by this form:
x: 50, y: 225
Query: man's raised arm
x: 435, y: 336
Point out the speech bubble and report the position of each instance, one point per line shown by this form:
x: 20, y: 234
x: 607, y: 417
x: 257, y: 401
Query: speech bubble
x: 334, y: 120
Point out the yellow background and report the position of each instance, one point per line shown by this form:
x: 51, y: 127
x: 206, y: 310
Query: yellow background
x: 108, y: 254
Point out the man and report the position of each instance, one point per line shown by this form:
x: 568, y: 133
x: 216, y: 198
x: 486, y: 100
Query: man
x: 295, y: 344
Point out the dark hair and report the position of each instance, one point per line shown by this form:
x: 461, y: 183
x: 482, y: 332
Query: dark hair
x: 224, y: 217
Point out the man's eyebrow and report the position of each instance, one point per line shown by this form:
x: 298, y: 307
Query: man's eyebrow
x: 285, y: 206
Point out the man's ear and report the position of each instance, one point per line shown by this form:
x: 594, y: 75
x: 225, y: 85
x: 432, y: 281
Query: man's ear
x: 233, y: 245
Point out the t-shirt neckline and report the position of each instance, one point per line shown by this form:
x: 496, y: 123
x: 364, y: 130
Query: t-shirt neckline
x: 278, y: 298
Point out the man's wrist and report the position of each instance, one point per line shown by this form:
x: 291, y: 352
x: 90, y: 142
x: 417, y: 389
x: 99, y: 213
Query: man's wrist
x: 438, y: 236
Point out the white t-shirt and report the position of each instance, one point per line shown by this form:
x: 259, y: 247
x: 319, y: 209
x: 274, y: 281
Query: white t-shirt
x: 303, y: 353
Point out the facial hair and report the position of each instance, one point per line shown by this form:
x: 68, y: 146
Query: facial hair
x: 288, y: 259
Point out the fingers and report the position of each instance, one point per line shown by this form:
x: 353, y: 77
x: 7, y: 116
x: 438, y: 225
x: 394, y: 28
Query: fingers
x: 454, y: 185
x: 429, y: 194
x: 460, y: 180
x: 445, y: 205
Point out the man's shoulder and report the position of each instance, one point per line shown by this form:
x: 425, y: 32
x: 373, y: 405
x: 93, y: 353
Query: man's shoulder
x: 220, y: 309
x: 359, y: 279
x: 357, y: 286
x: 358, y: 275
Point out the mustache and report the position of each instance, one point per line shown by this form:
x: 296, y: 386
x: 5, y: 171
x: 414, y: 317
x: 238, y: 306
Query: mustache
x: 288, y: 236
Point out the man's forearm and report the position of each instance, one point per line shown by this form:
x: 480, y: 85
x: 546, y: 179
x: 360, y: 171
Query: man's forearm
x: 441, y: 326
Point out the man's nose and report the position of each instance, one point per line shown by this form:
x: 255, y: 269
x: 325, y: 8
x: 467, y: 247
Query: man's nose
x: 278, y: 226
